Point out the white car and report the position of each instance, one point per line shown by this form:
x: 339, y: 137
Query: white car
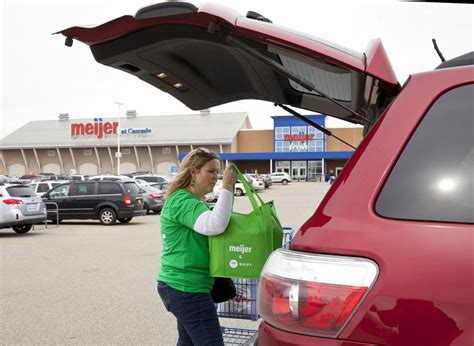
x: 280, y: 177
x: 20, y: 207
x: 214, y: 195
x: 141, y: 182
x: 79, y: 177
x: 41, y: 187
x: 155, y: 178
x: 239, y: 190
x: 109, y: 177
x: 255, y: 182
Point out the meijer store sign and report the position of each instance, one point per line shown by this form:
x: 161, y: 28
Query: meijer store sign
x: 100, y: 128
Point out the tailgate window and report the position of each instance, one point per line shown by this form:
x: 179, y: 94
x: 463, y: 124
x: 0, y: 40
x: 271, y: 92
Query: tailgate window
x: 334, y: 81
x: 20, y: 191
x: 131, y: 188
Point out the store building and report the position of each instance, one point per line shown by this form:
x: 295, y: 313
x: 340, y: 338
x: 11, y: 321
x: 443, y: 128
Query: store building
x: 158, y: 143
x: 294, y: 147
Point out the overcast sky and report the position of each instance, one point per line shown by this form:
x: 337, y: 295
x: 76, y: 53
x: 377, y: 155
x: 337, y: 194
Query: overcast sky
x: 41, y: 77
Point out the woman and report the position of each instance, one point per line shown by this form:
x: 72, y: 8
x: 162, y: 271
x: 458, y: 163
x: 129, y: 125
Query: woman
x: 184, y: 283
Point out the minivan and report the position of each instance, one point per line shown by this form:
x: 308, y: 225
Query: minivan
x: 106, y: 201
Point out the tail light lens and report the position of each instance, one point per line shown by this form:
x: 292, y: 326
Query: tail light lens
x: 313, y: 294
x: 12, y: 201
x: 127, y: 200
x: 154, y: 196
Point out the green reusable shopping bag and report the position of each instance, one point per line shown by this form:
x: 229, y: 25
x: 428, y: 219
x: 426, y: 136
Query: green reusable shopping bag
x: 241, y: 251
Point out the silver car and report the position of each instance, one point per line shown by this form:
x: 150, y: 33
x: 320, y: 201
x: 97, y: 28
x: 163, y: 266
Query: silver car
x: 152, y: 198
x: 20, y: 208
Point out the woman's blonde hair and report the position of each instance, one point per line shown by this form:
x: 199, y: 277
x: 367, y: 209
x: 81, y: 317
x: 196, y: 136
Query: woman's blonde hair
x: 193, y: 160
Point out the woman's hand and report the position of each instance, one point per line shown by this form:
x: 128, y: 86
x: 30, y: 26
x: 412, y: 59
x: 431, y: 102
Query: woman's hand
x: 230, y: 177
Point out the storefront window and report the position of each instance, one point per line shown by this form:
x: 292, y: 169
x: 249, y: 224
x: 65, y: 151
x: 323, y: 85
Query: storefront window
x: 299, y: 146
x: 280, y: 132
x: 298, y: 130
x: 315, y: 170
x: 282, y: 146
x: 313, y: 131
x: 315, y: 146
x: 282, y: 166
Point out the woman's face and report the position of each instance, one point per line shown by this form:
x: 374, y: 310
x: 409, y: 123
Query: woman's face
x: 206, y: 177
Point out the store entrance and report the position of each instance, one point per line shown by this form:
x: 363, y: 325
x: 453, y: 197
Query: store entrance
x: 298, y: 170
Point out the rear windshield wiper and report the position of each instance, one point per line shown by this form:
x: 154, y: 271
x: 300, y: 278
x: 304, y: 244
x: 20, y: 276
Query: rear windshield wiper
x: 282, y: 70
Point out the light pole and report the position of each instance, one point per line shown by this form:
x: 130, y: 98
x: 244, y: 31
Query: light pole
x: 118, y: 154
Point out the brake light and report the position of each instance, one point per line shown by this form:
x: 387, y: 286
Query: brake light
x: 127, y: 200
x: 313, y: 294
x: 12, y: 201
x: 154, y: 196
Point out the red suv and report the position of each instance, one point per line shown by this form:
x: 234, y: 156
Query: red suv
x: 387, y: 257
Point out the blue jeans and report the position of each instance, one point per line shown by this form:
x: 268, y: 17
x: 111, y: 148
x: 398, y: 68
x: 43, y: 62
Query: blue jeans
x: 198, y: 323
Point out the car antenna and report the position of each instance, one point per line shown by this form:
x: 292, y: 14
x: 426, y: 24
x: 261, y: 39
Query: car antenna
x: 437, y: 50
x: 309, y: 121
x: 283, y: 71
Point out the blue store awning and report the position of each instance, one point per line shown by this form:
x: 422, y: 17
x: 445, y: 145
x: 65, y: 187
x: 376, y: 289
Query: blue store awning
x: 283, y: 156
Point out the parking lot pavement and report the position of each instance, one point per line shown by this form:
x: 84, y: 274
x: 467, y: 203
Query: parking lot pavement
x: 84, y: 283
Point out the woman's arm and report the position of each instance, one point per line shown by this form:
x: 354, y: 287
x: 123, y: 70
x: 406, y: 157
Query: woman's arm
x: 215, y: 222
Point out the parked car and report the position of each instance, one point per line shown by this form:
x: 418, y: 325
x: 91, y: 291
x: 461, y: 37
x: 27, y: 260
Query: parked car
x: 27, y: 178
x: 20, y: 208
x: 239, y: 188
x: 41, y: 187
x: 152, y: 198
x: 153, y: 178
x: 79, y: 177
x: 267, y: 180
x: 106, y: 201
x: 108, y: 177
x: 160, y: 186
x: 280, y: 177
x: 214, y: 195
x: 255, y: 181
x: 58, y: 177
x: 11, y: 179
x: 387, y: 256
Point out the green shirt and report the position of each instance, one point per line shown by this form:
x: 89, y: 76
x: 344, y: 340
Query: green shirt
x: 185, y: 255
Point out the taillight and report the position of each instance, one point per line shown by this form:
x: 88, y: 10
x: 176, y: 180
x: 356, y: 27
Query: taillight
x: 127, y: 200
x: 12, y: 201
x: 154, y: 196
x: 313, y: 294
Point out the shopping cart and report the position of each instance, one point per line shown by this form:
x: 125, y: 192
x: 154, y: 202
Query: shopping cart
x: 244, y: 305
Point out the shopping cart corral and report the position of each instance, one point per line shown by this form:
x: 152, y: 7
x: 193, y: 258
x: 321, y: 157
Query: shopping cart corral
x: 244, y: 305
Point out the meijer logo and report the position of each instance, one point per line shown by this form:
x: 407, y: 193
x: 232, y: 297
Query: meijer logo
x: 97, y: 128
x: 240, y: 249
